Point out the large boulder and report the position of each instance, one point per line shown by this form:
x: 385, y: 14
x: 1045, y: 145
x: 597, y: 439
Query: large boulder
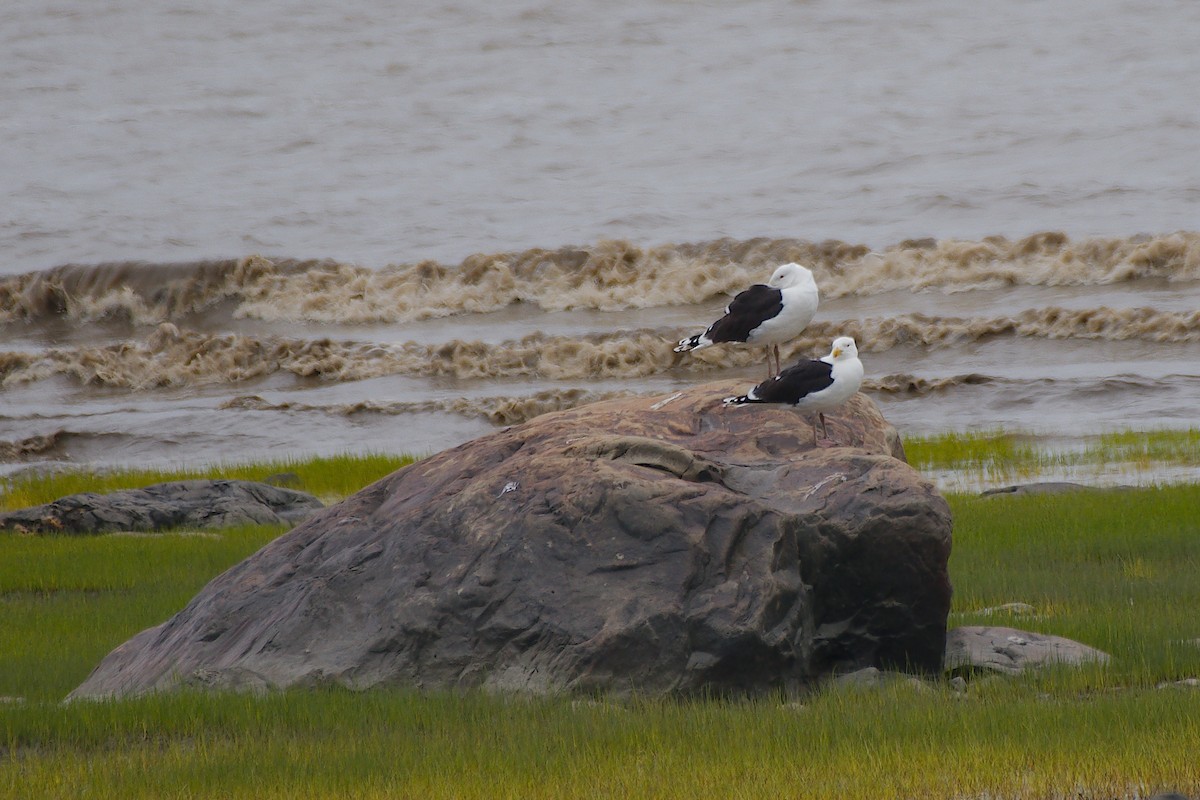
x: 661, y: 545
x: 218, y: 503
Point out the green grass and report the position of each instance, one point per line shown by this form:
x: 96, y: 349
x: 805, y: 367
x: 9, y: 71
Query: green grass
x: 1008, y: 455
x: 891, y: 743
x: 65, y: 602
x: 1116, y: 570
x: 1176, y: 447
x: 978, y: 450
x: 329, y: 478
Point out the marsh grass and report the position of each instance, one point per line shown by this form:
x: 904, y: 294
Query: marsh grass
x: 989, y: 457
x: 1116, y: 570
x: 1163, y: 445
x: 66, y: 601
x: 985, y: 451
x: 329, y: 478
x: 879, y: 744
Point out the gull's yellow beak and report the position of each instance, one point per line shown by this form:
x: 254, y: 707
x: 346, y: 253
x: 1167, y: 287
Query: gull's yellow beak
x: 837, y: 351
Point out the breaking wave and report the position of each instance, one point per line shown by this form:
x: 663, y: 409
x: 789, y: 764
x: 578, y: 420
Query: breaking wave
x: 513, y: 410
x: 174, y: 357
x: 915, y: 386
x: 33, y: 447
x: 609, y: 276
x: 497, y: 410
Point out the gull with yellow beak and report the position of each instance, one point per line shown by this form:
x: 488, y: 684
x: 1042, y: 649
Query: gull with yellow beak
x: 820, y: 386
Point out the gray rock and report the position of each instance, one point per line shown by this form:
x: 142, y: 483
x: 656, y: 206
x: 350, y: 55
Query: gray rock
x: 196, y: 503
x: 636, y: 545
x: 1012, y: 651
x: 868, y: 677
x: 1049, y: 487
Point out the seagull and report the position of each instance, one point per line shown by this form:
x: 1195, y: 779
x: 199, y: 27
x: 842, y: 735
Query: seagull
x: 820, y: 385
x: 764, y: 314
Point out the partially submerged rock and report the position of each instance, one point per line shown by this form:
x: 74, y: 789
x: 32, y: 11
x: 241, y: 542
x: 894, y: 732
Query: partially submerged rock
x: 195, y: 503
x: 1012, y: 651
x: 1047, y: 488
x: 660, y: 545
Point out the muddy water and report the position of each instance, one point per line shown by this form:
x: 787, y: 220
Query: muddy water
x: 235, y: 231
x: 250, y: 358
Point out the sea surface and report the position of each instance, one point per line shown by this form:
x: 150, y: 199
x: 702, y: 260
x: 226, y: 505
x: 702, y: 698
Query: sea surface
x: 237, y: 231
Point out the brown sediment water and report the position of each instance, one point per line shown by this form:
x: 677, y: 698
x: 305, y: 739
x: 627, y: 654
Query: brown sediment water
x: 330, y: 357
x: 399, y: 231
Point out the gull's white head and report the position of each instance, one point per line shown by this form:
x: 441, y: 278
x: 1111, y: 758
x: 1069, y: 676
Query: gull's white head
x: 790, y: 275
x: 843, y: 347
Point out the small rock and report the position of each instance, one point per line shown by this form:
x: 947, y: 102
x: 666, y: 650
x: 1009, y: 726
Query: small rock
x: 1012, y: 651
x: 1048, y: 487
x: 192, y: 504
x: 867, y: 677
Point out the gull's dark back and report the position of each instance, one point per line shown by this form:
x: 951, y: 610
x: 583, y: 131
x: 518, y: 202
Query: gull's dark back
x: 748, y: 309
x: 795, y: 382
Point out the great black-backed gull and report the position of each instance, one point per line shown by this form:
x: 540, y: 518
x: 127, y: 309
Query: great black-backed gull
x: 769, y: 314
x: 812, y: 385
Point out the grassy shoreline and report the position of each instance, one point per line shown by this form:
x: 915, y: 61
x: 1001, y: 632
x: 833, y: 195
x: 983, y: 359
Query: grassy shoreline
x: 966, y: 461
x: 889, y: 743
x: 330, y: 478
x: 1115, y: 570
x: 974, y: 458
